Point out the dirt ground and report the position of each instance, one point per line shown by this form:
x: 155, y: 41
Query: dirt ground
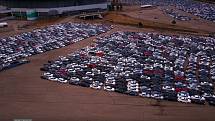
x: 156, y: 19
x: 23, y: 95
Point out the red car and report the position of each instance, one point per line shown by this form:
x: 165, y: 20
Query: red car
x: 179, y: 78
x: 181, y: 89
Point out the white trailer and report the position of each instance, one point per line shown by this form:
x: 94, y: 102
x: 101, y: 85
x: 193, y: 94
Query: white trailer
x: 3, y: 24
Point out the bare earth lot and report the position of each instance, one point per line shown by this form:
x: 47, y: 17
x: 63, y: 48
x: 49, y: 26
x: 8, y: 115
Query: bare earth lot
x: 157, y: 16
x: 154, y: 18
x: 24, y: 95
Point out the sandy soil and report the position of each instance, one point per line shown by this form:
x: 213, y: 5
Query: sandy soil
x: 24, y: 95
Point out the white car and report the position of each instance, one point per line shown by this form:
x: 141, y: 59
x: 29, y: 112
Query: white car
x: 168, y: 88
x: 133, y: 84
x: 168, y: 68
x: 206, y: 95
x: 52, y: 79
x: 62, y: 80
x: 156, y: 95
x: 194, y: 97
x: 134, y: 89
x: 109, y: 88
x: 183, y: 97
x: 213, y: 77
x: 110, y: 80
x: 47, y: 74
x: 158, y: 65
x: 206, y: 83
x: 96, y: 85
x: 145, y: 94
x: 74, y: 80
x: 89, y: 73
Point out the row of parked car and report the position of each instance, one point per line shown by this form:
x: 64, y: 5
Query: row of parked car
x: 17, y: 47
x: 200, y: 9
x: 176, y: 15
x: 175, y: 68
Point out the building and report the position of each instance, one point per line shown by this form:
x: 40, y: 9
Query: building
x: 53, y: 7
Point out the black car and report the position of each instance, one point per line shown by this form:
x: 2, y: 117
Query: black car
x: 211, y: 101
x: 170, y: 95
x: 198, y: 101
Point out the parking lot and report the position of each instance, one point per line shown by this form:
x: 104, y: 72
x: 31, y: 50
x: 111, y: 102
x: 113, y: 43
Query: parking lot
x: 15, y: 48
x: 199, y: 9
x: 29, y: 96
x: 173, y: 68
